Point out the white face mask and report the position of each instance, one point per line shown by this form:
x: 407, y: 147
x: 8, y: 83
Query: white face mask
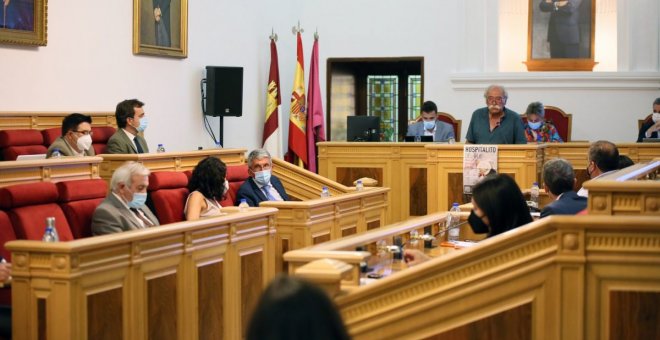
x: 84, y: 142
x: 226, y: 188
x: 656, y: 117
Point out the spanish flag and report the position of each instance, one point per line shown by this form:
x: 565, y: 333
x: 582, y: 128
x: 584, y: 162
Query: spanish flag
x: 298, y: 114
x: 271, y: 137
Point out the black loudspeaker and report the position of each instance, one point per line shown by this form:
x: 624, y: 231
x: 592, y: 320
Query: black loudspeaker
x: 224, y: 91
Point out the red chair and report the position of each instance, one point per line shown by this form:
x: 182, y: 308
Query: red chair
x: 561, y: 120
x: 6, y: 234
x: 236, y: 175
x: 167, y: 195
x: 14, y: 143
x: 100, y: 136
x: 28, y: 206
x: 50, y: 135
x: 449, y: 119
x: 78, y: 200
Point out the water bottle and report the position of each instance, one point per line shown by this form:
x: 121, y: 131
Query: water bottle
x: 56, y: 153
x: 453, y: 220
x: 160, y: 148
x: 243, y: 206
x: 451, y: 140
x: 534, y: 195
x: 325, y: 192
x: 50, y: 235
x: 358, y: 185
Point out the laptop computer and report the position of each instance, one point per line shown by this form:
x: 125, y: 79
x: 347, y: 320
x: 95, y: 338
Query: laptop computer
x: 31, y: 157
x: 422, y: 138
x: 651, y: 140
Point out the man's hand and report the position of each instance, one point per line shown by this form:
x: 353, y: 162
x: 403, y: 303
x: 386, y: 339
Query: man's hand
x: 562, y: 3
x: 6, y: 2
x: 655, y: 127
x: 5, y: 272
x: 157, y: 14
x: 414, y: 257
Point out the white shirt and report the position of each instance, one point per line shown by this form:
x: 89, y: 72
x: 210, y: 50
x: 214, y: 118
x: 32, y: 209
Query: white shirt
x: 272, y: 192
x: 584, y: 192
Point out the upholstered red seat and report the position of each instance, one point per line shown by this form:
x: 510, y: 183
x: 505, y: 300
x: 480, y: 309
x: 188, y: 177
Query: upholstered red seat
x: 14, y: 143
x: 100, y: 137
x: 78, y: 200
x: 28, y: 206
x: 167, y: 194
x: 6, y: 234
x: 50, y: 135
x: 561, y: 120
x: 236, y: 175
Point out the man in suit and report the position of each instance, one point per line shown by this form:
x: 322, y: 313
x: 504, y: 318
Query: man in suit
x: 559, y: 179
x: 651, y: 129
x: 5, y: 311
x: 131, y: 121
x: 76, y: 138
x: 603, y: 158
x: 123, y: 209
x: 262, y: 185
x: 563, y: 27
x: 430, y: 126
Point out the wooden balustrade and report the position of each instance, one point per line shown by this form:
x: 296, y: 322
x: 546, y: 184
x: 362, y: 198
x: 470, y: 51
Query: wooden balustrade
x: 189, y: 280
x: 49, y: 170
x: 47, y: 120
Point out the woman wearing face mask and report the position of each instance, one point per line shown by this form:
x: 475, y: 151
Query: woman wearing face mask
x: 651, y: 127
x: 537, y: 129
x: 76, y: 138
x: 207, y: 187
x: 498, y: 206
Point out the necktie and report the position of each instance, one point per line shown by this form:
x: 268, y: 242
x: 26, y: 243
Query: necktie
x: 268, y: 194
x: 137, y: 145
x: 144, y: 219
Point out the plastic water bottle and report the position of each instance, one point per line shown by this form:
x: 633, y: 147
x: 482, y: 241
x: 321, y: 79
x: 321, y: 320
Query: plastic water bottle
x: 243, y: 206
x: 160, y: 148
x: 534, y: 195
x: 56, y: 153
x: 325, y: 192
x: 453, y: 220
x: 50, y: 235
x: 358, y: 185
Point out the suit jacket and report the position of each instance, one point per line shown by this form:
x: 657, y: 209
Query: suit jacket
x: 568, y: 204
x: 564, y: 22
x: 111, y: 216
x: 120, y: 143
x: 65, y: 148
x: 443, y: 131
x: 250, y: 191
x: 642, y: 131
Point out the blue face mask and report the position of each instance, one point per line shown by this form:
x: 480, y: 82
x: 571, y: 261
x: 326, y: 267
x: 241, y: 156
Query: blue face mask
x: 262, y: 177
x: 143, y: 124
x: 535, y: 125
x: 429, y: 125
x: 139, y: 198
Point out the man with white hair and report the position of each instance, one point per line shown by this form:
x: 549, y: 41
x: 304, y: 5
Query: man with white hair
x: 123, y: 209
x: 262, y: 185
x: 495, y: 124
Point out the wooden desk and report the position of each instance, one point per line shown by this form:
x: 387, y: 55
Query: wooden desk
x: 188, y: 280
x: 49, y: 170
x: 445, y: 170
x: 169, y: 161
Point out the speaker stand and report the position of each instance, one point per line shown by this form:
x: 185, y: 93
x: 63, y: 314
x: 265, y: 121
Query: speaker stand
x: 220, y: 133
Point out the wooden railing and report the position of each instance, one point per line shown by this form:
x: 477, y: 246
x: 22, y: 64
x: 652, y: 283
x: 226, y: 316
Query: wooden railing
x: 47, y: 120
x: 305, y: 185
x: 190, y: 280
x: 584, y: 277
x: 49, y: 170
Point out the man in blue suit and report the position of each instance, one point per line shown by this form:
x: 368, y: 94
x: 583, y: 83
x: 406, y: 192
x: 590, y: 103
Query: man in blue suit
x: 262, y: 185
x: 430, y: 126
x: 559, y: 179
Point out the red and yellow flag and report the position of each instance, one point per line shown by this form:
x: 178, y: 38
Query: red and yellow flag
x: 298, y: 114
x: 271, y: 137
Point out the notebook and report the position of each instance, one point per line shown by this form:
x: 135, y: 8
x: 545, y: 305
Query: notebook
x: 31, y: 157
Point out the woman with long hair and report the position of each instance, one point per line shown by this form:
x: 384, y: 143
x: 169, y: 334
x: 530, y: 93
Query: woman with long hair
x: 207, y: 187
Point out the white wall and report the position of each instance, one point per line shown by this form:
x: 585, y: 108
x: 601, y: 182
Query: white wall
x: 88, y: 64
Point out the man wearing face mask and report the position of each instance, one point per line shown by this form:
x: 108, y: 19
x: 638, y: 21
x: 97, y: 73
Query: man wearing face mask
x: 124, y: 209
x: 131, y: 121
x: 76, y: 138
x: 261, y: 186
x: 603, y: 158
x: 650, y: 129
x: 430, y: 126
x: 495, y: 124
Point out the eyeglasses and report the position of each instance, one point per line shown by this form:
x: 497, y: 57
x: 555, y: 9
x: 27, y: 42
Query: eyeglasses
x: 495, y: 99
x: 85, y: 133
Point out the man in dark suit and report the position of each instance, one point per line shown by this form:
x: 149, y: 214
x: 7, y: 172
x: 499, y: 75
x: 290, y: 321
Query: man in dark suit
x: 430, y: 125
x: 131, y: 121
x: 563, y: 27
x: 559, y: 179
x: 123, y: 209
x: 262, y: 185
x: 651, y: 128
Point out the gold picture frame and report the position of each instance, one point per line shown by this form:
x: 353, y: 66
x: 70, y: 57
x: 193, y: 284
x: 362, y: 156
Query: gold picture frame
x: 560, y: 35
x: 23, y: 22
x: 160, y: 27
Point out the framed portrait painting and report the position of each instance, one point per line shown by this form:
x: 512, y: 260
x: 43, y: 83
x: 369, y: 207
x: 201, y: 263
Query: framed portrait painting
x: 561, y: 35
x: 160, y: 27
x: 23, y: 22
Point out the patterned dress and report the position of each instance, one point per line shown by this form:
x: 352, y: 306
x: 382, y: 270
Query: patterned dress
x: 546, y: 133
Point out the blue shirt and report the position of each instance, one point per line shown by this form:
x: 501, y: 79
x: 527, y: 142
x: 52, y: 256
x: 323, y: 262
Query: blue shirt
x: 510, y: 130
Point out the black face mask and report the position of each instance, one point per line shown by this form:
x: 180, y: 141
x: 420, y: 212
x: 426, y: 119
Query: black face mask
x: 477, y: 224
